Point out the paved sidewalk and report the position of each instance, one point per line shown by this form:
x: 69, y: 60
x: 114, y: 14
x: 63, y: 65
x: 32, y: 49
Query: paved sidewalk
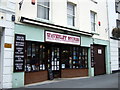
x: 101, y: 81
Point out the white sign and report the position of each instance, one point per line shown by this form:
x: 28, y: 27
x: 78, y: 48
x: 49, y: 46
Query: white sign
x: 61, y: 38
x: 63, y: 65
x: 99, y: 51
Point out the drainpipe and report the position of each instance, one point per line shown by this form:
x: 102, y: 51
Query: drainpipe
x: 108, y: 33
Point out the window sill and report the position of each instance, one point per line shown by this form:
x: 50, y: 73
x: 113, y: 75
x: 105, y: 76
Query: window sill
x: 72, y: 27
x: 43, y: 20
x: 95, y: 33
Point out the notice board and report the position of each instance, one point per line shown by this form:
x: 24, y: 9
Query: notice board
x: 19, y: 53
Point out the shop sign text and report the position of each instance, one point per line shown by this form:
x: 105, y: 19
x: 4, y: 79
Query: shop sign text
x: 61, y: 38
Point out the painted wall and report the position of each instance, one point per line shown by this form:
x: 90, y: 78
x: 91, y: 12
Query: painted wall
x: 7, y: 8
x: 58, y: 14
x: 114, y: 54
x: 112, y: 15
x: 107, y: 53
x: 33, y: 33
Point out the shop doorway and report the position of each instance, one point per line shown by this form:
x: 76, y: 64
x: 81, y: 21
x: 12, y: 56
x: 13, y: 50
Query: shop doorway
x: 99, y: 59
x: 55, y: 61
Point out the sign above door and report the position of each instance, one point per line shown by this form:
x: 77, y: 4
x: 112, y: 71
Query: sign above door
x: 61, y: 38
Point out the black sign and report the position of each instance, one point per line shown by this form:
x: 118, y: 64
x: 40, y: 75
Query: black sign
x: 92, y: 56
x: 19, y: 53
x: 50, y: 74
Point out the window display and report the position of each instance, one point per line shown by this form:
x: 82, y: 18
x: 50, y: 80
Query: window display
x: 74, y: 57
x: 35, y: 57
x: 41, y: 56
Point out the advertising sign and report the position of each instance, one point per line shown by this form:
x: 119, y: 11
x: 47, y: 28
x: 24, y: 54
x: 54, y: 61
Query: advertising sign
x: 19, y: 53
x: 61, y: 38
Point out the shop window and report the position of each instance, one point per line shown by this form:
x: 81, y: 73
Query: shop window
x: 65, y: 57
x: 35, y: 57
x: 74, y: 57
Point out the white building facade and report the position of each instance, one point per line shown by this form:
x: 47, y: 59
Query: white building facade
x: 7, y: 11
x: 47, y: 27
x: 114, y: 22
x: 63, y: 37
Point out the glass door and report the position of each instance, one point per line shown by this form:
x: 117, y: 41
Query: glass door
x: 55, y: 61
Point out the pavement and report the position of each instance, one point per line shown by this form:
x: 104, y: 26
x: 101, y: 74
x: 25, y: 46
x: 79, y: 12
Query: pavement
x: 101, y: 81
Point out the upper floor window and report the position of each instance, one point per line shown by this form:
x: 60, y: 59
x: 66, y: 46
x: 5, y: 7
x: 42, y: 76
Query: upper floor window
x: 117, y: 5
x: 43, y: 8
x: 118, y: 23
x: 93, y: 21
x: 71, y: 14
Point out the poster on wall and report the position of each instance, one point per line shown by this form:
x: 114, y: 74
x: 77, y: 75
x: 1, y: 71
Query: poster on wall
x: 19, y: 53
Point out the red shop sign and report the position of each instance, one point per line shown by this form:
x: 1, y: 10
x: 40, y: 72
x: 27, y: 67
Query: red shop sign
x: 61, y: 38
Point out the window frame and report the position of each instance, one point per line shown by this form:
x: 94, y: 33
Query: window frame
x: 46, y: 8
x: 93, y: 23
x: 117, y: 6
x: 38, y: 65
x: 118, y: 23
x: 78, y: 58
x: 71, y: 15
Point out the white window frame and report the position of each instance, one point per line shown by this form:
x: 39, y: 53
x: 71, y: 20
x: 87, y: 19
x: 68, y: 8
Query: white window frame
x: 71, y: 15
x: 93, y: 23
x: 44, y: 6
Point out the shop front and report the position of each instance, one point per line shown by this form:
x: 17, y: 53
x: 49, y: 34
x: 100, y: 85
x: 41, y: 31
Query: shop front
x: 60, y: 53
x: 51, y: 53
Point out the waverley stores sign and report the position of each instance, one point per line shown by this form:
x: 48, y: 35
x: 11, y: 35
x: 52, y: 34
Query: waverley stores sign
x: 61, y: 38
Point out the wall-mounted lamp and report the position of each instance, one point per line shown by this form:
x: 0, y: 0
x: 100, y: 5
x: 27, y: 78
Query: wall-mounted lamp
x: 20, y: 4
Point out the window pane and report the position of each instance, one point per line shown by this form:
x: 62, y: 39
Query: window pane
x: 28, y: 60
x: 43, y: 2
x: 70, y: 20
x: 43, y: 9
x: 70, y: 14
x: 93, y: 21
x: 118, y: 23
x: 46, y: 13
x: 70, y: 6
x: 43, y: 12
